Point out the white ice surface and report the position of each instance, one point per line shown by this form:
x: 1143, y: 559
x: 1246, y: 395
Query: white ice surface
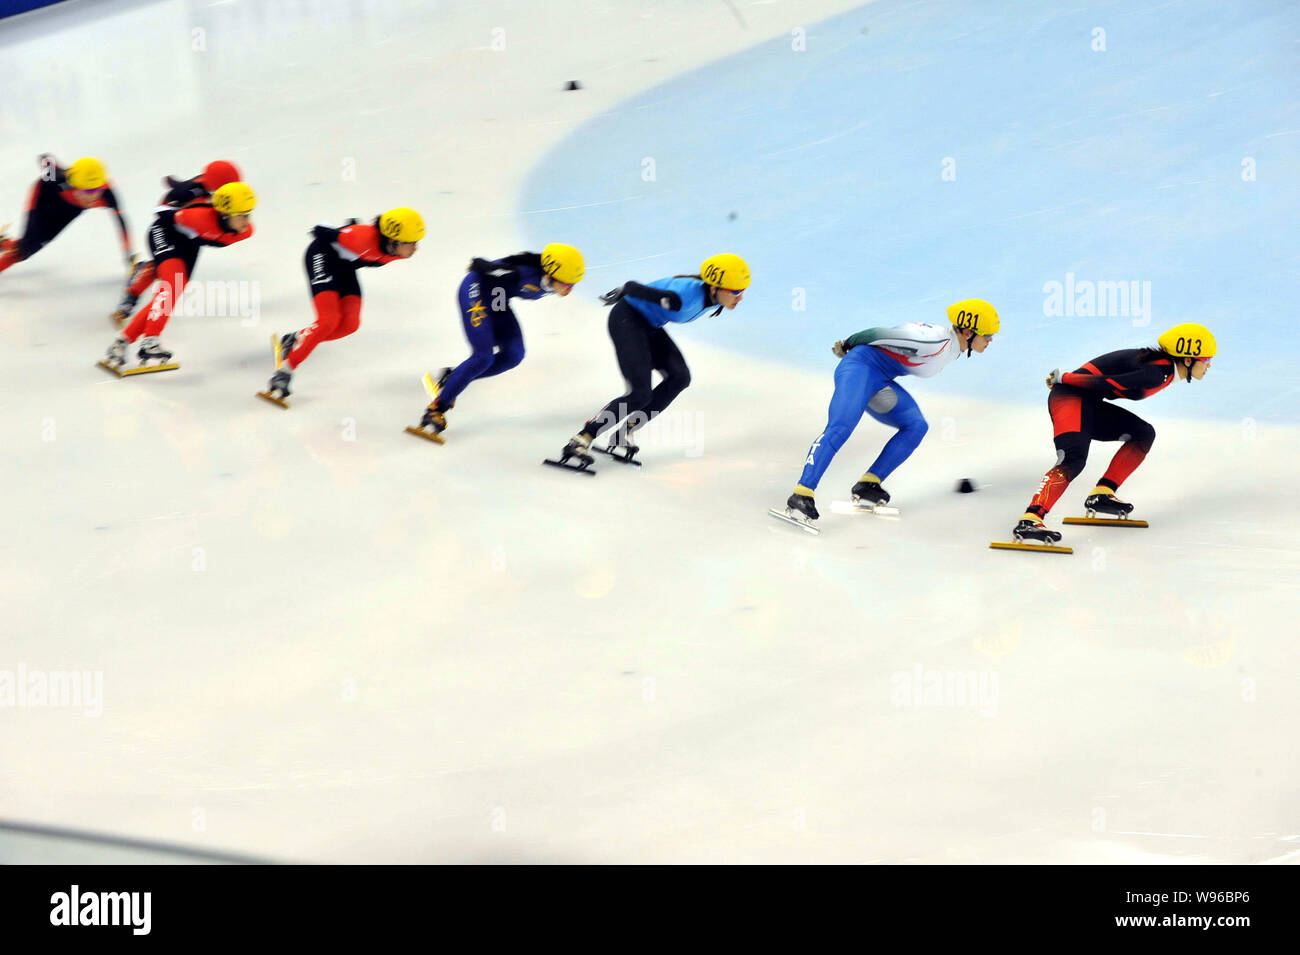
x: 322, y: 639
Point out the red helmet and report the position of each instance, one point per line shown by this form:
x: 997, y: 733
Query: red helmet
x: 217, y: 174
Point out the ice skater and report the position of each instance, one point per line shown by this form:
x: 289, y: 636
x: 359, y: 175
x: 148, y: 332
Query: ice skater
x: 637, y: 323
x: 495, y: 339
x: 1081, y: 412
x: 180, y: 193
x: 870, y: 361
x: 175, y: 238
x: 331, y: 261
x: 56, y: 199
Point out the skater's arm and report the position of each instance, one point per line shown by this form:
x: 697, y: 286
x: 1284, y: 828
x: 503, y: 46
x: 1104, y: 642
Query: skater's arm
x: 325, y: 231
x: 664, y: 298
x: 1120, y: 385
x: 109, y: 200
x: 531, y: 259
x: 868, y: 336
x: 494, y: 270
x: 205, y: 223
x: 184, y: 191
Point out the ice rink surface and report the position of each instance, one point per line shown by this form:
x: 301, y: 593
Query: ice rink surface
x: 321, y: 639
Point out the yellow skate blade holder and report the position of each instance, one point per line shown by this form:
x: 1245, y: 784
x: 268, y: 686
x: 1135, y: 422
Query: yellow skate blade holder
x: 123, y: 372
x: 1042, y: 548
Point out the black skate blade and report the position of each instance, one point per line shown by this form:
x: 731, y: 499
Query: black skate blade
x: 124, y: 372
x: 1019, y: 545
x: 620, y: 458
x: 781, y: 515
x: 267, y: 396
x: 428, y: 435
x: 1105, y: 521
x: 579, y: 468
x: 850, y: 507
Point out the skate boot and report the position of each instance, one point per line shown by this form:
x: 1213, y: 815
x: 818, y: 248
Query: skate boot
x: 443, y: 375
x: 579, y: 447
x: 1032, y: 528
x: 279, y: 386
x: 434, y: 420
x: 152, y: 350
x: 800, y: 507
x: 124, y: 308
x: 621, y: 447
x: 116, y: 356
x: 1102, y: 501
x: 868, y: 493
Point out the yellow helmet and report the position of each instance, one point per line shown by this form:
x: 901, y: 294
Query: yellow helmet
x: 402, y: 225
x: 87, y: 173
x: 563, y: 263
x: 976, y: 314
x: 234, y: 199
x: 1188, y: 340
x: 725, y: 270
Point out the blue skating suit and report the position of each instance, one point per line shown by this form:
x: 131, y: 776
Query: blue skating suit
x: 864, y: 383
x: 691, y: 291
x: 495, y: 339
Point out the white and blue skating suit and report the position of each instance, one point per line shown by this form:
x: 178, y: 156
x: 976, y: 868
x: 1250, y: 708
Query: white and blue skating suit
x: 864, y: 383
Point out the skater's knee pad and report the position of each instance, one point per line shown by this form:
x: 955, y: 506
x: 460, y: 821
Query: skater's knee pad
x: 1142, y: 435
x: 511, y: 354
x: 883, y: 401
x: 1071, y: 456
x: 916, y: 424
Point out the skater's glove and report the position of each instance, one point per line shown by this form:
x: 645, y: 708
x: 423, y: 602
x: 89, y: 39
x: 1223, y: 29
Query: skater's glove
x: 671, y: 301
x: 1054, y: 378
x: 839, y: 350
x: 612, y: 296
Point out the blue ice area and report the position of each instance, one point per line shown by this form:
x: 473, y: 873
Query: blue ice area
x: 1131, y: 165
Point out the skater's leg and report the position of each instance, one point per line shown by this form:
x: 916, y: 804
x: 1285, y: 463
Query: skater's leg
x: 1072, y: 423
x: 668, y: 361
x: 892, y: 405
x: 477, y: 323
x: 856, y: 379
x: 47, y: 216
x: 349, y: 318
x: 630, y: 333
x: 328, y: 315
x: 144, y: 277
x: 509, y: 343
x: 1119, y: 424
x: 152, y: 317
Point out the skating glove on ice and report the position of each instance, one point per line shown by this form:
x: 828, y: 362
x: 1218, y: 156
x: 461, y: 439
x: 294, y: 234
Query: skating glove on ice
x: 1054, y: 378
x: 612, y: 296
x: 839, y: 350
